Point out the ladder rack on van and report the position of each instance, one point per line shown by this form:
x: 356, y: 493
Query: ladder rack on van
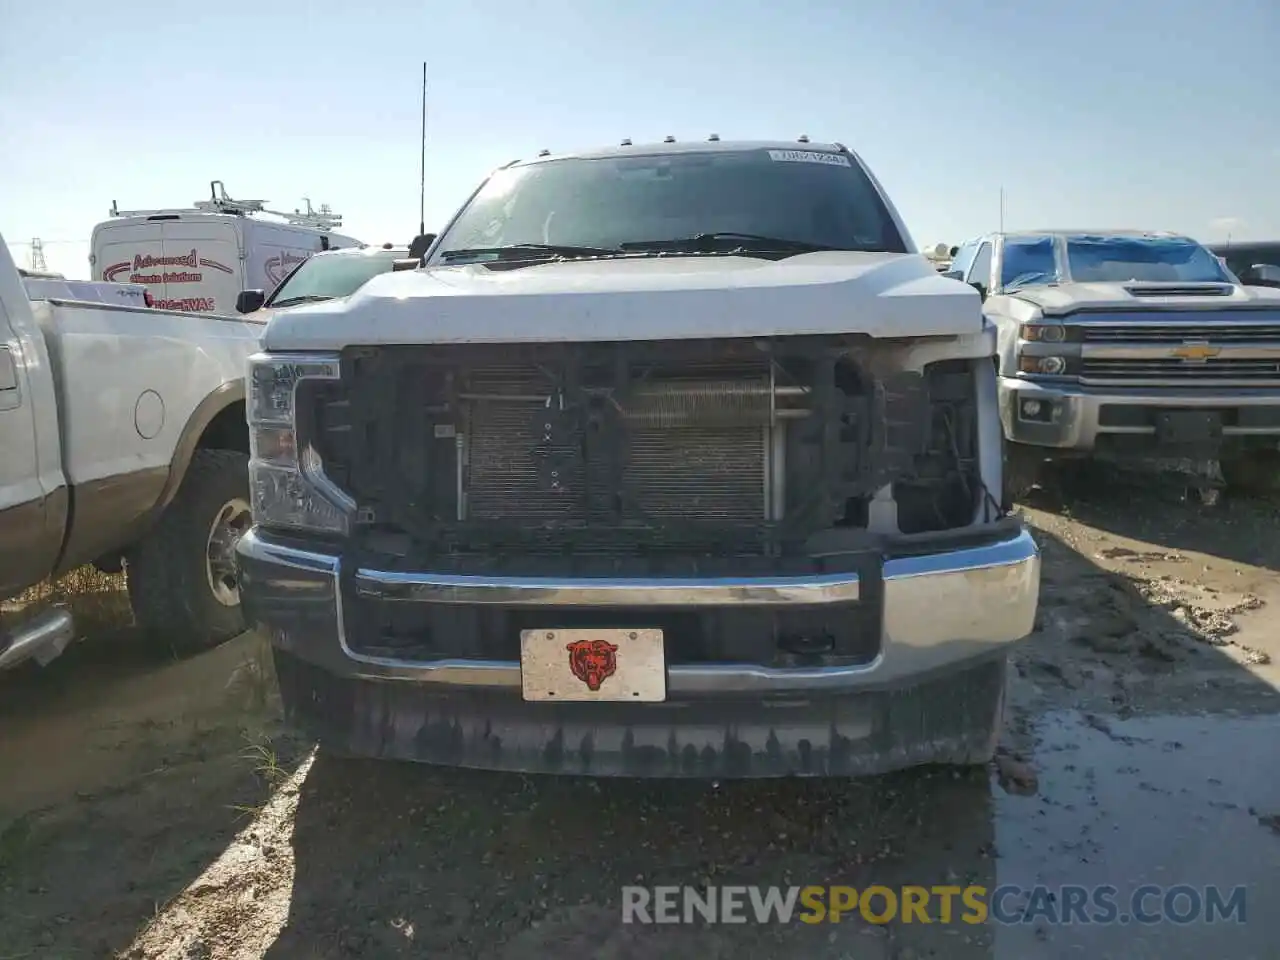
x: 322, y: 220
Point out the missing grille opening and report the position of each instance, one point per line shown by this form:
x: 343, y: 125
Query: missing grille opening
x: 700, y: 454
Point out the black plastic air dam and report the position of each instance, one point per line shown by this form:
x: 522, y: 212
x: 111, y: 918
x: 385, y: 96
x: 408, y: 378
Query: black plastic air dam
x: 951, y: 718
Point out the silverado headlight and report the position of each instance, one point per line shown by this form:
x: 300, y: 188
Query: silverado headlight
x: 1050, y: 366
x: 1049, y: 349
x: 286, y: 484
x: 1043, y: 332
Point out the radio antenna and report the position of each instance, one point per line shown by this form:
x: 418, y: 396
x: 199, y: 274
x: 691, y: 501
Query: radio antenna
x: 422, y: 164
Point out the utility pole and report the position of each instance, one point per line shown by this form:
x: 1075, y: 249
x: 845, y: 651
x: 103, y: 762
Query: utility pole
x: 38, y: 264
x: 422, y: 163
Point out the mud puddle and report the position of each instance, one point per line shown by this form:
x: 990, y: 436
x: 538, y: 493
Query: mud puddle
x: 1153, y: 800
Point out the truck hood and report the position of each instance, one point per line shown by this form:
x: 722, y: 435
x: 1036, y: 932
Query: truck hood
x: 1067, y: 298
x: 642, y: 298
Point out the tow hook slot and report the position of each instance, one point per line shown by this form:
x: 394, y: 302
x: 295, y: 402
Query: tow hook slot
x: 807, y: 643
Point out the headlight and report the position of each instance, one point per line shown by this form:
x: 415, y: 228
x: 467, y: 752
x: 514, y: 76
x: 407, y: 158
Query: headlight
x: 286, y: 485
x: 1051, y: 366
x: 1043, y: 332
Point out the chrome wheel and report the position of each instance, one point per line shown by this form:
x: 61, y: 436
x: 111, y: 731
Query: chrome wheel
x: 231, y: 523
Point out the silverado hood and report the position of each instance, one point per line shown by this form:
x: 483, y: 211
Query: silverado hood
x: 643, y: 298
x: 1067, y: 298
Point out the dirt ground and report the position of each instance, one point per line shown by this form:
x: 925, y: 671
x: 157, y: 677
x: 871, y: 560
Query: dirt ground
x: 151, y: 808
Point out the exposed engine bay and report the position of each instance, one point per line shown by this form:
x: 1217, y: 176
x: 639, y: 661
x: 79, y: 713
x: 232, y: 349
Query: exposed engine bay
x: 678, y: 457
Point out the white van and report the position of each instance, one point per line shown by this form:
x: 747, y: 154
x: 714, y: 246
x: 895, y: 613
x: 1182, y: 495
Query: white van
x: 198, y: 259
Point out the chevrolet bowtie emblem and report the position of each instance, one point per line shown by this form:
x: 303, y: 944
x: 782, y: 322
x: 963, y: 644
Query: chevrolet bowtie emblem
x: 1196, y: 351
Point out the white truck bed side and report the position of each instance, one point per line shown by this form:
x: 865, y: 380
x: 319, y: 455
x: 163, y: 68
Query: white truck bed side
x: 128, y: 382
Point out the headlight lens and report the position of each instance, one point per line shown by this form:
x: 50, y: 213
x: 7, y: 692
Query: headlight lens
x: 1051, y: 366
x: 284, y: 481
x: 1043, y: 332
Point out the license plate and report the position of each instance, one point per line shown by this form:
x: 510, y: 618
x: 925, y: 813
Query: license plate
x: 593, y: 664
x: 1188, y: 426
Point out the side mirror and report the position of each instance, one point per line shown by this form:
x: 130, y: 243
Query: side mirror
x: 421, y: 244
x: 248, y: 301
x: 1262, y: 275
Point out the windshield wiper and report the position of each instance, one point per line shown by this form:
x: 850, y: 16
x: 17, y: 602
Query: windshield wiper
x: 304, y: 298
x: 753, y: 241
x: 552, y: 249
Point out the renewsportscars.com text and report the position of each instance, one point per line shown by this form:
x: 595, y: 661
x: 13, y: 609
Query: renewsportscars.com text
x: 1008, y: 904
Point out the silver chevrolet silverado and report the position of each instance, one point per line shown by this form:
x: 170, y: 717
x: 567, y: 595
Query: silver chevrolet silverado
x: 1127, y: 345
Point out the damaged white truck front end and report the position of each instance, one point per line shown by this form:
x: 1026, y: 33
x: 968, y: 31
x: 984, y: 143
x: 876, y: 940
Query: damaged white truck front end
x: 670, y: 461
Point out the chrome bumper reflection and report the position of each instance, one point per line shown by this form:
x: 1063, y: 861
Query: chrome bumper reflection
x: 1076, y: 422
x: 608, y: 591
x: 939, y: 608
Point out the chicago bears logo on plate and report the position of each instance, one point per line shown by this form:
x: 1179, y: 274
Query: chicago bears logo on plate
x: 592, y: 661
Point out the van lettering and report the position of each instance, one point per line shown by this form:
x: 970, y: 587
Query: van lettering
x: 281, y: 264
x: 189, y: 305
x: 183, y: 277
x: 186, y: 260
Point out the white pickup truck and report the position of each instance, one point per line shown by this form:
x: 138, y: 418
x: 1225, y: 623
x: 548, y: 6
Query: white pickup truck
x: 54, y: 286
x: 1129, y: 346
x: 671, y: 459
x: 122, y: 437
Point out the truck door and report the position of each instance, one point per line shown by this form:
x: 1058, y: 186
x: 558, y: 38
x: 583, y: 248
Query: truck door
x: 122, y: 251
x: 30, y: 522
x: 203, y: 267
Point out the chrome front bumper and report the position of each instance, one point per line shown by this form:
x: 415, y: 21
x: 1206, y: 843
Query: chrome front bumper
x: 942, y: 608
x: 1078, y: 419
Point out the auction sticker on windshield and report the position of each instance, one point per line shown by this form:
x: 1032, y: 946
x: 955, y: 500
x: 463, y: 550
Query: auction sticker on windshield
x: 809, y: 156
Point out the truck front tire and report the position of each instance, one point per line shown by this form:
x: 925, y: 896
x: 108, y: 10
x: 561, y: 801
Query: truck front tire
x: 182, y: 579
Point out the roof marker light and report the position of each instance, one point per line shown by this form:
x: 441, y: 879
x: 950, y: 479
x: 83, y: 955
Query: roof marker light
x: 544, y: 153
x: 626, y: 142
x: 804, y: 138
x: 668, y: 139
x: 714, y: 138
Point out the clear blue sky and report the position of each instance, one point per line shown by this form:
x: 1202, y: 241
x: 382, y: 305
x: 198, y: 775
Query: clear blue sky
x: 1090, y: 113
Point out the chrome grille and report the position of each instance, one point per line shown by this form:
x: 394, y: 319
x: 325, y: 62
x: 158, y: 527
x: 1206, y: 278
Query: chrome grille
x: 1216, y: 333
x: 1214, y: 369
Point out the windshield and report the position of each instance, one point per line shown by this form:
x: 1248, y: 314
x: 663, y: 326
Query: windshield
x: 1098, y: 259
x: 1241, y: 258
x: 329, y: 277
x: 1028, y: 260
x: 807, y: 199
